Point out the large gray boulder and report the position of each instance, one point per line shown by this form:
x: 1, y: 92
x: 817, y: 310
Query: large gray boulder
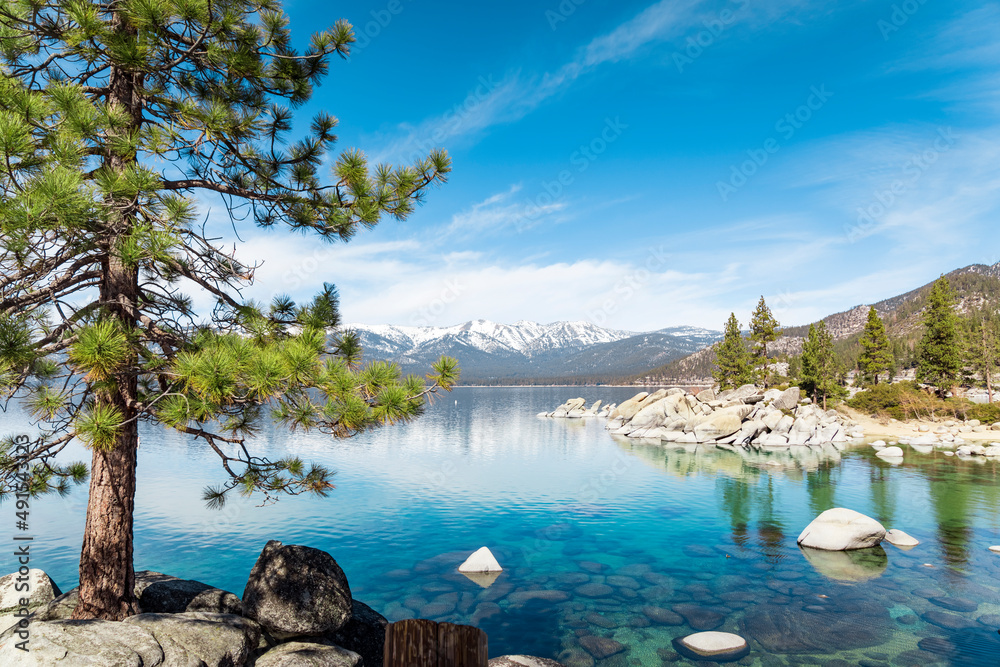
x: 297, y: 590
x: 364, y: 633
x: 841, y: 529
x: 788, y: 399
x: 200, y: 638
x: 82, y: 644
x: 163, y: 594
x: 301, y: 654
x: 719, y: 425
x: 744, y: 392
x: 628, y: 408
x: 39, y: 592
x: 60, y: 609
x: 652, y: 414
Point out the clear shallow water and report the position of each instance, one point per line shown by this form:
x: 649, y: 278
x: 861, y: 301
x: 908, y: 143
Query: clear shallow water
x: 600, y: 537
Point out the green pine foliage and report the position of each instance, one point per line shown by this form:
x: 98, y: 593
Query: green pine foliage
x: 980, y: 342
x: 876, y: 350
x: 764, y: 329
x: 939, y: 358
x: 115, y: 120
x: 820, y: 370
x: 733, y: 364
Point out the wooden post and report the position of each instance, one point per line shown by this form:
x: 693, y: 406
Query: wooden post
x: 423, y: 643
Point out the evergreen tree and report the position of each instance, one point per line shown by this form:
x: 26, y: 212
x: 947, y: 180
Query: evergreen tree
x: 819, y: 365
x: 939, y: 360
x: 763, y: 330
x: 876, y: 351
x: 981, y: 334
x: 733, y: 367
x: 114, y: 118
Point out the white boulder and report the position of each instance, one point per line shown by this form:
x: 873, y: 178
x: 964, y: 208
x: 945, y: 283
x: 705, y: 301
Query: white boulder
x: 841, y: 529
x: 481, y: 561
x: 900, y: 539
x: 890, y: 453
x: 718, y: 646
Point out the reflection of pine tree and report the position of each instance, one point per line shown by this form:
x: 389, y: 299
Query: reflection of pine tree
x: 883, y: 495
x: 820, y: 487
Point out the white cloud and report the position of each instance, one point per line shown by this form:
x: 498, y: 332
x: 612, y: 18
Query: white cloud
x: 502, y: 211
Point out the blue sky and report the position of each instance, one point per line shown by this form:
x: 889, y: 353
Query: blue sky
x: 643, y: 165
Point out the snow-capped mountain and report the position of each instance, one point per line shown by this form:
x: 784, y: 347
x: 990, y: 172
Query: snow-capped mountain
x: 489, y: 351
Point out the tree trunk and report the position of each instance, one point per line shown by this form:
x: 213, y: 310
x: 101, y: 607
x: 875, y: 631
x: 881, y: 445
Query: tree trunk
x: 107, y: 580
x: 107, y: 577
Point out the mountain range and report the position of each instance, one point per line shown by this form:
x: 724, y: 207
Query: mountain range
x: 526, y: 352
x: 974, y: 286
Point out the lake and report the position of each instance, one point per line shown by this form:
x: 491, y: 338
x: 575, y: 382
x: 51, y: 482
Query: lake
x: 599, y: 537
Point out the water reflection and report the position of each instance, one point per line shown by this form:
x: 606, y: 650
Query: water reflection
x: 856, y: 565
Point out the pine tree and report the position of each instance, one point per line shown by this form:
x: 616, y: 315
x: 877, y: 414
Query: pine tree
x: 939, y: 360
x: 733, y: 367
x: 819, y: 365
x: 763, y: 330
x: 876, y: 350
x: 114, y: 118
x: 981, y: 343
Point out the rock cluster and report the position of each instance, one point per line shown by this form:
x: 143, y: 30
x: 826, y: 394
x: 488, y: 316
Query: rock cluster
x: 576, y: 408
x: 747, y: 417
x: 296, y: 610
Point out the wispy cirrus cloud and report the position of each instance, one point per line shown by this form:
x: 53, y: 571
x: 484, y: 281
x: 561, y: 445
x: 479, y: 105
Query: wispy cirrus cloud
x: 503, y: 211
x: 517, y: 94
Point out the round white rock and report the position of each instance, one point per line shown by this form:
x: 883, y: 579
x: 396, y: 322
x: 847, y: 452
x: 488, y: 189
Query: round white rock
x: 713, y: 645
x: 841, y: 529
x: 900, y: 539
x: 890, y: 453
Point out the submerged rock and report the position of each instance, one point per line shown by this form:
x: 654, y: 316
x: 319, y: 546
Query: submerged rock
x: 787, y: 629
x: 601, y: 647
x: 521, y: 661
x: 841, y: 529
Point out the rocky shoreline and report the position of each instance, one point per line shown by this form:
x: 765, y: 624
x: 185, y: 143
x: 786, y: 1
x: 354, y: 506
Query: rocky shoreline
x: 296, y: 611
x: 743, y: 417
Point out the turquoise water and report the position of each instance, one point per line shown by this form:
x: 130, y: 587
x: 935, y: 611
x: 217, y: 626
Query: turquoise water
x: 599, y: 537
